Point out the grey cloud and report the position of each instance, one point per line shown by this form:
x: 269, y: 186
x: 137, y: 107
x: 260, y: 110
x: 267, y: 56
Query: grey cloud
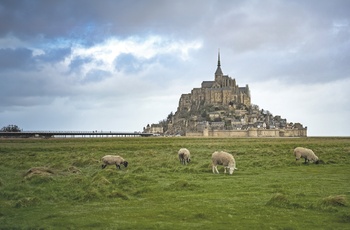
x: 49, y: 18
x: 75, y: 18
x: 20, y: 58
x: 239, y: 24
x: 55, y: 55
x: 32, y: 88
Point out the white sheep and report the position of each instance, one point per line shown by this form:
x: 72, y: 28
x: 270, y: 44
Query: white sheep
x: 307, y: 154
x: 184, y: 156
x: 113, y: 160
x: 225, y: 159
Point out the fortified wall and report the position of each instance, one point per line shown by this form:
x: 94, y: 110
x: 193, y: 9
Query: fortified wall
x: 253, y: 132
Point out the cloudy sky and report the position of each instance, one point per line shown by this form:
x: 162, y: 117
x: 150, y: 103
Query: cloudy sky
x: 122, y: 64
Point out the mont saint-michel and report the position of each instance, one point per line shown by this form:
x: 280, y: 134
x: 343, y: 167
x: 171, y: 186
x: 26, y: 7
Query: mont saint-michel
x: 221, y: 108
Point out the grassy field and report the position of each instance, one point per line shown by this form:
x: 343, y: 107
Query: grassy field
x: 69, y: 190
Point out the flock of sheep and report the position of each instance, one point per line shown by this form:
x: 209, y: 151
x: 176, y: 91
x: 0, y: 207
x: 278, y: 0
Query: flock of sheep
x: 218, y: 158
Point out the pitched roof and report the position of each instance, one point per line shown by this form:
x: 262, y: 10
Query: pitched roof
x: 207, y: 84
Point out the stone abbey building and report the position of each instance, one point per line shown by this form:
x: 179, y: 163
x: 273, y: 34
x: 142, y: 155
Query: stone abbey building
x: 222, y: 92
x: 223, y: 109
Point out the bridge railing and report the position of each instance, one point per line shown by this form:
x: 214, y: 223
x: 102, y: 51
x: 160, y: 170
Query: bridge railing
x: 71, y: 133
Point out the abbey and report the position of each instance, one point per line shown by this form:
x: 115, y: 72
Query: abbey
x: 223, y: 109
x: 223, y: 91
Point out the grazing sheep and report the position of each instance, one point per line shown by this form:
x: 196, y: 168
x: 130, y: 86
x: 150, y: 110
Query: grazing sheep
x: 184, y: 156
x: 113, y: 160
x: 305, y: 153
x: 225, y: 159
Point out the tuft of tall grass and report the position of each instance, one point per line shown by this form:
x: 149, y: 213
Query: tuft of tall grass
x: 282, y: 201
x: 338, y: 200
x: 27, y: 202
x: 182, y: 185
x: 118, y: 194
x: 278, y: 200
x: 345, y: 218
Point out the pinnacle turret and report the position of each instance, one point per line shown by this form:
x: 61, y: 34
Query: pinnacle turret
x: 218, y: 71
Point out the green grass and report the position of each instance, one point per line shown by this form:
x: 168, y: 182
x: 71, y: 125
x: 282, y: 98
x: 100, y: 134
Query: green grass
x: 69, y: 190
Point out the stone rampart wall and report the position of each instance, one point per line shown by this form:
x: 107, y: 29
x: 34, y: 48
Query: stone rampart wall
x: 250, y: 133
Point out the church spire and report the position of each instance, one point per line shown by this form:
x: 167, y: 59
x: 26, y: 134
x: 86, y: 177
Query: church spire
x: 219, y: 58
x: 218, y: 71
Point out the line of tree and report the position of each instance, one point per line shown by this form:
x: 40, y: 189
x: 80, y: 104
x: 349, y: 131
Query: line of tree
x: 10, y: 128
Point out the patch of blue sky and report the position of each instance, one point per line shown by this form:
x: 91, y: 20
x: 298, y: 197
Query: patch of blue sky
x: 77, y: 63
x: 128, y: 63
x: 96, y: 75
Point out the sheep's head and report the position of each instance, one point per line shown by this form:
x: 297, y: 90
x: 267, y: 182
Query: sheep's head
x: 231, y: 169
x: 316, y: 160
x: 125, y: 163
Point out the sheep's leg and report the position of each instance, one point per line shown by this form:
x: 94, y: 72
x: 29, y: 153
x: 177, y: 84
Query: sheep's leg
x: 104, y: 166
x: 225, y: 170
x: 118, y: 166
x: 215, y: 169
x: 181, y: 157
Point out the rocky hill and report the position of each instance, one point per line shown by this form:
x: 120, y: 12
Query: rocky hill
x: 219, y: 105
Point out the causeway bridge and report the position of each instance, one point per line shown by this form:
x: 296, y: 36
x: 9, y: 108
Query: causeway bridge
x: 71, y: 134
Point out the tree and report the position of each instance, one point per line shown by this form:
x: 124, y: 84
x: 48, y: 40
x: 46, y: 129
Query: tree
x: 10, y: 128
x: 170, y: 116
x: 164, y: 124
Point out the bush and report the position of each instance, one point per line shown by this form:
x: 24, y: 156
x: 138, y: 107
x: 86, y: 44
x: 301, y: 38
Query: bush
x: 10, y: 128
